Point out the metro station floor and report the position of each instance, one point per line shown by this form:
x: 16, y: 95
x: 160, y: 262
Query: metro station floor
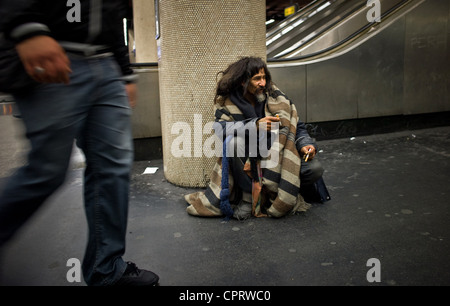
x: 390, y: 205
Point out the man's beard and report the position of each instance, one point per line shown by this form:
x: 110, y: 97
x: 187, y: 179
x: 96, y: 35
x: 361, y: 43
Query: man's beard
x: 260, y: 97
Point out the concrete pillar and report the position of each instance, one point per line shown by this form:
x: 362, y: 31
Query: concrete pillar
x: 198, y: 39
x: 144, y: 31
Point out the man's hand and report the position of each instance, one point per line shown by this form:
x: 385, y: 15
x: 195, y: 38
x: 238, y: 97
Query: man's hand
x: 267, y: 120
x: 132, y: 94
x: 44, y: 59
x: 309, y: 149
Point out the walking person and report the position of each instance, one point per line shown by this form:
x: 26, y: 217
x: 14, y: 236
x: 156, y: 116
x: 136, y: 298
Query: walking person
x: 80, y: 87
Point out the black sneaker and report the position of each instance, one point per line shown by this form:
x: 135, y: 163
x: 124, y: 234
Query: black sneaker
x: 133, y: 276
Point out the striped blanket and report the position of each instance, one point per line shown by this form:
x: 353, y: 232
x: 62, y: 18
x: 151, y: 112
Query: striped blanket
x: 276, y: 192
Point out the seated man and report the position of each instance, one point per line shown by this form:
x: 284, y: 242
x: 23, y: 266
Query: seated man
x: 253, y: 114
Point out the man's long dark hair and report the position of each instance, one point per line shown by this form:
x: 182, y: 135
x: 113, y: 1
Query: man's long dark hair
x: 237, y: 77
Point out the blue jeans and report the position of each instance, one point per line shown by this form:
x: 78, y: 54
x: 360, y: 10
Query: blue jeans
x: 94, y: 110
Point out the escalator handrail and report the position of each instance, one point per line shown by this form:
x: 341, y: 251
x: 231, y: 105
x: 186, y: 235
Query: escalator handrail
x: 363, y: 4
x: 303, y: 11
x: 340, y: 43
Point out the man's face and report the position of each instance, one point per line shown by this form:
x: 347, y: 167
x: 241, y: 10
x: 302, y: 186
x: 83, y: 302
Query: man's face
x: 257, y: 85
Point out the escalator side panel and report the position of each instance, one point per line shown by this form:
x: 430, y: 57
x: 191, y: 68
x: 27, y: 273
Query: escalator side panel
x: 403, y: 70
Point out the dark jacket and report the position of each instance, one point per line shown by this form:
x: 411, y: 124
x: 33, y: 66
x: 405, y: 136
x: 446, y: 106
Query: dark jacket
x: 251, y: 114
x: 90, y: 22
x: 315, y: 193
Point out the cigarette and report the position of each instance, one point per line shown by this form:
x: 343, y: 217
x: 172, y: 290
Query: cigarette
x: 278, y: 116
x: 307, y: 155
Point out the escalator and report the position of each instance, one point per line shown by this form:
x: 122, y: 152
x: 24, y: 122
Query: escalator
x: 337, y: 62
x: 327, y: 26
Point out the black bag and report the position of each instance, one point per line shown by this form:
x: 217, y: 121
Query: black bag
x: 13, y: 77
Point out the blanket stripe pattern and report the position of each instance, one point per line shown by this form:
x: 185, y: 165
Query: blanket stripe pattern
x: 280, y: 181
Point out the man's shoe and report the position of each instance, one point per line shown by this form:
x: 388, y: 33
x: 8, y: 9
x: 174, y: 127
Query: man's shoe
x: 133, y: 276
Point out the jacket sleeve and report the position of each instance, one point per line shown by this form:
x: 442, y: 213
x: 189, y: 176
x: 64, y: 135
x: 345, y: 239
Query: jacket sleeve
x: 302, y: 137
x: 22, y: 19
x: 120, y: 50
x: 122, y: 58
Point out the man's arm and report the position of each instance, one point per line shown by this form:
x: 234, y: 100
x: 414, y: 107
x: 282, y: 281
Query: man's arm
x: 23, y: 23
x: 303, y: 142
x: 121, y: 53
x: 23, y: 19
x: 225, y: 128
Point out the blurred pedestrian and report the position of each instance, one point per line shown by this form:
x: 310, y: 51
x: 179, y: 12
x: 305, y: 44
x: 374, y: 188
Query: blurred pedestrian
x: 81, y: 88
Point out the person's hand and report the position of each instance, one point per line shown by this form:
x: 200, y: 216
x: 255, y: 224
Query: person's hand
x: 44, y: 59
x: 268, y: 120
x: 309, y: 149
x: 132, y: 94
